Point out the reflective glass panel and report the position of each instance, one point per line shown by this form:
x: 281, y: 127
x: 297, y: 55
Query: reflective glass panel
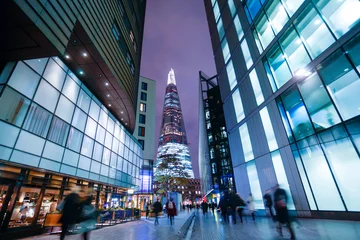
x: 54, y: 74
x: 221, y: 30
x: 278, y: 65
x: 216, y: 11
x: 46, y: 96
x: 225, y: 50
x: 71, y: 89
x: 65, y: 109
x: 238, y: 107
x: 255, y: 185
x: 264, y: 30
x: 37, y: 64
x: 238, y: 28
x: 269, y: 131
x: 94, y: 110
x: 232, y: 7
x: 87, y: 146
x: 84, y: 101
x: 254, y: 7
x: 74, y: 140
x: 352, y: 49
x: 58, y: 131
x: 106, y: 156
x: 231, y: 75
x: 246, y: 53
x: 90, y: 127
x: 256, y: 87
x: 277, y: 15
x: 98, y: 152
x: 100, y: 134
x: 292, y: 5
x: 37, y: 120
x: 103, y: 118
x: 79, y: 119
x: 246, y: 142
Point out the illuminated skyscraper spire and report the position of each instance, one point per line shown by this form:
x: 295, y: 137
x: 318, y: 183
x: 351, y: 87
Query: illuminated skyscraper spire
x: 172, y: 140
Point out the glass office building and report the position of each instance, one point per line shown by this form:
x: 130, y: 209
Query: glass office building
x: 289, y: 78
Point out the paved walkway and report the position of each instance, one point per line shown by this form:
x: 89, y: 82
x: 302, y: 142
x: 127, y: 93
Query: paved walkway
x: 139, y: 230
x: 212, y: 227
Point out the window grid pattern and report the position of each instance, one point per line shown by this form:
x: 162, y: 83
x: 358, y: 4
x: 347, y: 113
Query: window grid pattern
x: 72, y: 133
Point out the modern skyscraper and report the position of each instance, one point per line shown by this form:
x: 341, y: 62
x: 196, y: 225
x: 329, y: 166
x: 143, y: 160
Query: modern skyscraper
x: 288, y: 74
x: 68, y: 89
x: 172, y: 140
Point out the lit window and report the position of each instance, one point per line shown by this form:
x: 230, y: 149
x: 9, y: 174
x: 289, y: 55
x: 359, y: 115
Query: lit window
x: 216, y: 11
x: 232, y: 7
x: 277, y: 15
x: 246, y: 142
x: 142, y: 107
x: 292, y: 5
x: 231, y: 75
x: 255, y: 185
x: 225, y: 50
x: 238, y: 107
x: 269, y: 131
x: 238, y: 28
x: 263, y: 27
x: 256, y: 87
x: 221, y: 30
x: 246, y: 53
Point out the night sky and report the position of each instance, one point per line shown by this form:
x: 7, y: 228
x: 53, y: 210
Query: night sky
x: 176, y: 36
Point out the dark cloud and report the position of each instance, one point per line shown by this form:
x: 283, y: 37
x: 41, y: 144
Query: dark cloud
x: 176, y: 36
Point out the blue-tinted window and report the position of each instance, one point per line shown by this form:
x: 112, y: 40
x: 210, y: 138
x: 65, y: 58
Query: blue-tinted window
x: 142, y: 118
x: 254, y: 7
x: 143, y: 96
x: 144, y: 86
x: 141, y: 131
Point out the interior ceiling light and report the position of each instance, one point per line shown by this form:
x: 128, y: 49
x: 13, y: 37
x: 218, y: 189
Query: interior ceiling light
x: 84, y: 54
x: 108, y: 95
x: 67, y: 56
x: 122, y: 119
x: 109, y: 105
x: 106, y: 84
x: 122, y: 112
x: 81, y: 72
x: 125, y: 123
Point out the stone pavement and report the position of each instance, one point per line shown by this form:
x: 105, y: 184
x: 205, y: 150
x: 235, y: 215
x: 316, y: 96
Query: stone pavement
x: 212, y: 227
x: 139, y: 230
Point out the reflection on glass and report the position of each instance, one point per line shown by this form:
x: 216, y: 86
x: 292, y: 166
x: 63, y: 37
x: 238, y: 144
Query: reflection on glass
x: 292, y: 5
x: 264, y: 30
x: 246, y: 142
x: 37, y: 120
x: 352, y: 49
x: 232, y: 7
x: 238, y: 28
x: 256, y: 87
x: 269, y: 131
x: 225, y: 50
x: 277, y: 15
x: 238, y: 107
x: 246, y: 52
x: 220, y: 28
x: 278, y: 65
x: 231, y: 75
x: 255, y: 185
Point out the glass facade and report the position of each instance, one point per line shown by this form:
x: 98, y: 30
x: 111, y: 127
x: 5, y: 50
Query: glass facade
x: 53, y: 122
x: 306, y: 72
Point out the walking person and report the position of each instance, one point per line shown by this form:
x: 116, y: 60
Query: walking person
x: 147, y: 210
x: 240, y: 207
x: 223, y: 205
x: 282, y: 214
x: 71, y: 210
x: 157, y: 209
x: 234, y: 202
x: 88, y: 215
x: 213, y: 206
x: 251, y: 206
x: 204, y: 207
x: 171, y: 210
x: 269, y: 203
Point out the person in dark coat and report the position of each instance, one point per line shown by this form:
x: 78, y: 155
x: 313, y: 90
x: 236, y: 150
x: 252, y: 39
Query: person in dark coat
x: 282, y: 214
x: 240, y: 204
x: 157, y: 209
x: 268, y: 202
x: 88, y: 216
x: 213, y: 206
x: 204, y: 206
x: 171, y: 210
x: 223, y: 205
x: 71, y: 211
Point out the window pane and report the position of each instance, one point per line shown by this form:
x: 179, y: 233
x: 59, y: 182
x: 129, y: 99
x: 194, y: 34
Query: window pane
x: 221, y: 30
x: 294, y: 50
x: 8, y: 134
x: 37, y: 64
x: 103, y: 118
x: 340, y: 15
x: 342, y: 83
x: 144, y: 86
x: 108, y: 140
x: 117, y: 131
x: 46, y: 96
x: 216, y: 11
x: 257, y: 41
x: 71, y: 89
x: 71, y: 158
x: 95, y: 167
x: 106, y: 156
x: 142, y: 107
x: 254, y: 7
x: 231, y: 75
x: 255, y: 185
x: 278, y: 65
x: 98, y: 152
x: 65, y: 109
x: 54, y: 74
x: 238, y: 107
x: 110, y: 126
x: 296, y: 113
x: 269, y: 131
x: 246, y: 142
x: 264, y: 30
x: 313, y: 31
x: 100, y: 134
x: 84, y: 101
x: 317, y: 101
x: 58, y: 131
x: 53, y: 151
x: 84, y: 163
x: 143, y: 96
x: 79, y: 119
x: 87, y: 146
x: 320, y: 178
x: 292, y: 5
x: 232, y: 7
x: 256, y: 87
x: 13, y: 107
x: 24, y: 80
x: 353, y: 49
x: 225, y: 50
x: 115, y: 145
x: 246, y: 53
x: 94, y: 110
x: 74, y: 140
x: 142, y: 118
x: 90, y: 127
x: 30, y: 143
x: 277, y: 15
x: 238, y: 28
x: 37, y: 120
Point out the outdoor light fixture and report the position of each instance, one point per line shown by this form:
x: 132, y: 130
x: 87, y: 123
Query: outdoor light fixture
x: 67, y: 56
x: 85, y: 54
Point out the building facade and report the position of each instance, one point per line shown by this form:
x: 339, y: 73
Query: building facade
x: 68, y: 92
x: 289, y: 76
x: 216, y: 164
x: 172, y: 140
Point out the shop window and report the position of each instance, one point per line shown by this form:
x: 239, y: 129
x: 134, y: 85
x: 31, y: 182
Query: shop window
x: 254, y: 80
x: 343, y: 84
x: 103, y: 118
x: 100, y: 134
x: 65, y: 109
x: 143, y: 96
x: 54, y: 74
x: 94, y: 111
x: 238, y: 107
x: 142, y: 107
x: 318, y: 103
x: 263, y: 27
x: 142, y: 118
x: 255, y: 185
x: 58, y: 131
x: 74, y: 140
x: 84, y: 101
x: 71, y: 89
x: 87, y: 146
x: 246, y: 142
x: 297, y: 114
x: 79, y: 119
x: 313, y: 31
x: 340, y: 15
x: 225, y: 50
x: 220, y: 28
x: 231, y: 75
x: 37, y: 64
x: 268, y: 128
x: 294, y: 50
x: 141, y: 131
x: 238, y: 28
x: 46, y: 96
x: 246, y: 53
x: 278, y: 66
x: 292, y: 5
x: 24, y: 80
x: 277, y: 15
x: 13, y: 107
x: 144, y: 86
x: 37, y: 120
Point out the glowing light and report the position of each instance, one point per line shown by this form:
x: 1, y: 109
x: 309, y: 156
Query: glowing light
x: 317, y: 22
x: 302, y: 73
x: 84, y: 54
x: 108, y: 95
x: 109, y: 105
x: 106, y: 84
x: 67, y: 56
x: 81, y: 72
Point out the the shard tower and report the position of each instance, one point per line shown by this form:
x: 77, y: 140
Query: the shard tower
x: 172, y: 140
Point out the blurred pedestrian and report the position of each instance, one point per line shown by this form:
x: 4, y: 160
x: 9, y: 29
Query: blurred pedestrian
x: 171, y: 210
x: 251, y: 206
x: 213, y: 206
x: 204, y: 207
x: 147, y: 210
x: 157, y: 209
x: 282, y: 214
x: 240, y: 206
x: 223, y: 205
x: 268, y: 202
x: 88, y: 215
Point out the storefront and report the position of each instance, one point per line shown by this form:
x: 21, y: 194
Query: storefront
x: 27, y: 195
